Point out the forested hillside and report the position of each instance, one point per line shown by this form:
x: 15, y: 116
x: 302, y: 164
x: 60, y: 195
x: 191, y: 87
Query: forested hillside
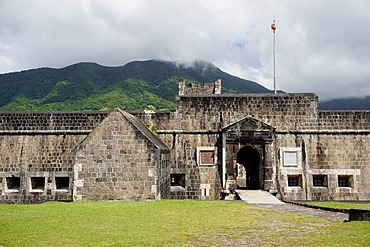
x: 149, y: 84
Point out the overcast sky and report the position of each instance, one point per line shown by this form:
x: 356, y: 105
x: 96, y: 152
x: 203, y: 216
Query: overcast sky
x: 322, y: 46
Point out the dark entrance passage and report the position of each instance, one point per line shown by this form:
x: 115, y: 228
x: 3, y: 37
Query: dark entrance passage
x: 250, y: 159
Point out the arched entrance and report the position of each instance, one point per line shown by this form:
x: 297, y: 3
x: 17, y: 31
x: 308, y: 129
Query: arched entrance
x: 249, y: 158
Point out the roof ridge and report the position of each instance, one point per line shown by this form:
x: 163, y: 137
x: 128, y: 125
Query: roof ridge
x: 143, y: 129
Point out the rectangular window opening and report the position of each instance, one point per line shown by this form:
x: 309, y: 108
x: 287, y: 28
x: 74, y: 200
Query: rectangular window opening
x: 62, y: 183
x: 178, y: 180
x: 320, y: 181
x: 345, y: 181
x: 295, y: 180
x: 13, y: 183
x: 38, y: 183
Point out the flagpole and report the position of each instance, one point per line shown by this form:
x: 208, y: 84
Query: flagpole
x: 273, y: 27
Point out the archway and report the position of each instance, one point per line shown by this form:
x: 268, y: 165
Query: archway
x: 249, y: 158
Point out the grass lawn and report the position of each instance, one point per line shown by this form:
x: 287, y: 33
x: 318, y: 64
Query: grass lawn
x: 170, y: 223
x: 342, y: 205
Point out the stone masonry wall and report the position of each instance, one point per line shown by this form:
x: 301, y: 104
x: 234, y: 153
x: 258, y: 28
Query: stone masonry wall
x: 331, y: 143
x: 340, y: 155
x: 163, y: 173
x: 199, y: 116
x: 51, y: 121
x: 116, y: 162
x: 330, y: 156
x: 283, y: 111
x: 46, y: 159
x: 212, y: 112
x: 36, y: 161
x: 201, y: 182
x: 199, y: 88
x: 344, y: 120
x: 156, y: 120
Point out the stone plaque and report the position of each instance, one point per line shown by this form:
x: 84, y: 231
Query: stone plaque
x: 290, y: 158
x: 206, y: 157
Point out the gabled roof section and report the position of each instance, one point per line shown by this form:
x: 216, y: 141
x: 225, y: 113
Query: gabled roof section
x: 144, y: 130
x: 248, y: 123
x: 249, y: 129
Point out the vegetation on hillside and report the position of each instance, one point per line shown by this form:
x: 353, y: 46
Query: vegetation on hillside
x: 89, y: 86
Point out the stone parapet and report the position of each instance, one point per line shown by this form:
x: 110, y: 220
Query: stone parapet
x: 344, y: 120
x: 199, y: 88
x: 283, y: 111
x: 38, y: 121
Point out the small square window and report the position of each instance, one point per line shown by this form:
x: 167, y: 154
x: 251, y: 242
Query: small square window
x: 13, y: 183
x: 319, y: 181
x: 344, y: 181
x: 294, y: 180
x: 62, y: 183
x: 38, y: 183
x: 178, y: 180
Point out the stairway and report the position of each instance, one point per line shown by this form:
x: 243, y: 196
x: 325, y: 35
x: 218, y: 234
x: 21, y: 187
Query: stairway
x: 257, y: 197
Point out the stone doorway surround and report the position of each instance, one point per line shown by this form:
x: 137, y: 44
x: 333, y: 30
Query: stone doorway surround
x: 243, y: 145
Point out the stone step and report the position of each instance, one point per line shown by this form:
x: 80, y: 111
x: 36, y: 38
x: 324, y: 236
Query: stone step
x: 257, y: 197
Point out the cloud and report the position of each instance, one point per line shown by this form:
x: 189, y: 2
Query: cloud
x: 321, y: 46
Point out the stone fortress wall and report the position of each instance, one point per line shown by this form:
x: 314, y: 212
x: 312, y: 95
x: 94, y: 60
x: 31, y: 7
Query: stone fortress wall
x: 117, y: 162
x: 43, y: 153
x: 36, y: 161
x: 292, y: 149
x: 331, y: 147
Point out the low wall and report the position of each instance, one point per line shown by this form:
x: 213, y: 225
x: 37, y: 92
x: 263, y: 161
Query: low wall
x: 359, y: 214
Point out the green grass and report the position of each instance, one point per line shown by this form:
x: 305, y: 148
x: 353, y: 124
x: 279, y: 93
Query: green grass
x: 341, y: 205
x: 170, y: 223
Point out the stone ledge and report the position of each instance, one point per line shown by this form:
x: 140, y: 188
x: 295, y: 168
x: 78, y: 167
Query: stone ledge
x: 318, y: 131
x: 43, y: 132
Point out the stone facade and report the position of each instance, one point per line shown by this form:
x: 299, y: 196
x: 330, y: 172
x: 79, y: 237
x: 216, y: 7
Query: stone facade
x: 68, y: 156
x: 120, y: 160
x: 36, y: 161
x: 280, y: 143
x: 211, y: 145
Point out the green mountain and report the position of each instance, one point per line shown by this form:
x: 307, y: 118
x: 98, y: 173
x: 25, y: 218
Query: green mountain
x: 149, y: 84
x: 346, y: 104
